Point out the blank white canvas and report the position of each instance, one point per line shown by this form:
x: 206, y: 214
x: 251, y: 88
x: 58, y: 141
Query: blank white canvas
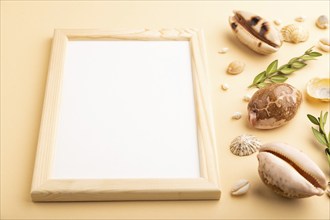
x: 126, y: 111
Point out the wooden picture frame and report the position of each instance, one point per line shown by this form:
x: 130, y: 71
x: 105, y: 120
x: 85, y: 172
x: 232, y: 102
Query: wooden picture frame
x: 46, y: 188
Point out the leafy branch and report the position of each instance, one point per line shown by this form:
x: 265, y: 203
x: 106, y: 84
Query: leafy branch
x: 273, y: 74
x: 320, y: 133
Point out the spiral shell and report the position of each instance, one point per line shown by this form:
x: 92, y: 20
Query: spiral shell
x: 294, y: 33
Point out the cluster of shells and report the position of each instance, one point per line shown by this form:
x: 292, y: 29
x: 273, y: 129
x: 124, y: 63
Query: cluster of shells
x: 283, y: 168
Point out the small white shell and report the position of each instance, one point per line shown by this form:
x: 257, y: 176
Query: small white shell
x: 294, y: 33
x: 224, y: 86
x: 319, y: 89
x: 223, y: 50
x: 244, y: 145
x: 324, y: 44
x: 235, y: 67
x: 322, y: 22
x: 277, y: 22
x: 247, y: 98
x: 240, y: 188
x: 236, y: 115
x: 300, y: 18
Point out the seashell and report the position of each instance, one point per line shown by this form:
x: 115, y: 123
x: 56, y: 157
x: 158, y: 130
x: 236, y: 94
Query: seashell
x: 294, y: 33
x: 324, y: 44
x: 255, y: 32
x: 273, y: 106
x: 224, y: 86
x: 223, y: 50
x: 289, y: 172
x: 328, y: 189
x: 235, y: 67
x: 247, y: 98
x: 319, y: 89
x: 240, y: 188
x: 322, y: 22
x: 277, y: 22
x: 244, y: 145
x: 300, y: 18
x: 236, y: 115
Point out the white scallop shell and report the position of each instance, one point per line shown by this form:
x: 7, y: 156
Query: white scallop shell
x: 244, y: 145
x: 319, y: 89
x: 294, y: 33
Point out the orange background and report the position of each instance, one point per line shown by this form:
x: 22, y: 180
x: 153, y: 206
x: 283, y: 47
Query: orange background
x: 26, y: 36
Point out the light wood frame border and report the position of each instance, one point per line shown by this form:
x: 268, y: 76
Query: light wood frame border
x: 205, y: 187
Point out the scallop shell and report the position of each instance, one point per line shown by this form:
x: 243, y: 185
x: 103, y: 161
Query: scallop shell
x: 244, y: 145
x: 319, y: 89
x: 289, y: 172
x: 322, y: 22
x: 294, y: 33
x: 255, y: 32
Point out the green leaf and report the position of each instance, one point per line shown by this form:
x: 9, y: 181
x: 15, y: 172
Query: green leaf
x: 313, y: 119
x: 307, y: 57
x: 298, y: 65
x: 272, y: 68
x: 287, y: 70
x: 283, y: 66
x: 293, y: 60
x: 278, y: 79
x: 321, y: 129
x: 260, y: 77
x: 263, y: 85
x: 319, y: 137
x: 315, y: 54
x: 325, y: 116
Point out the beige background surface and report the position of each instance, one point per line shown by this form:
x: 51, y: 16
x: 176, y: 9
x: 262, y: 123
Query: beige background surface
x: 26, y: 34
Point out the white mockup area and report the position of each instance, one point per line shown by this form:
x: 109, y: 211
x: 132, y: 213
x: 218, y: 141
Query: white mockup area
x: 126, y: 111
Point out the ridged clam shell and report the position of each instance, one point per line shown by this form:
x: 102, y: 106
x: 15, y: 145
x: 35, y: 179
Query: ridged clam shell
x: 255, y: 32
x: 244, y: 145
x: 289, y: 172
x: 294, y: 33
x: 319, y: 89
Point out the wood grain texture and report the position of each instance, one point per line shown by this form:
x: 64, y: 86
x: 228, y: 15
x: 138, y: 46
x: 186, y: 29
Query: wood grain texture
x: 206, y: 187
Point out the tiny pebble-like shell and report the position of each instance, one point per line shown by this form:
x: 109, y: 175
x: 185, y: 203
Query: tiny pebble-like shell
x: 322, y: 22
x: 240, y: 187
x: 300, y: 18
x: 224, y: 86
x: 324, y: 44
x: 244, y: 145
x: 223, y: 50
x: 235, y: 67
x: 236, y: 115
x: 247, y: 98
x: 277, y: 22
x: 294, y: 33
